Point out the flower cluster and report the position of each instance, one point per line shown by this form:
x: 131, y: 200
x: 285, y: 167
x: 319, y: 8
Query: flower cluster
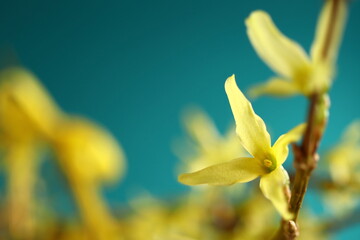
x: 88, y: 156
x: 30, y: 122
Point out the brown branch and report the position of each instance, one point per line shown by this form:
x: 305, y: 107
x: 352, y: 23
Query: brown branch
x: 305, y: 160
x: 305, y: 155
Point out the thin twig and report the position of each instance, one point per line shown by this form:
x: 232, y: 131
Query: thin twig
x: 305, y: 155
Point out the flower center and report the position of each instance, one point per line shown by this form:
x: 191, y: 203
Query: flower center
x: 268, y: 163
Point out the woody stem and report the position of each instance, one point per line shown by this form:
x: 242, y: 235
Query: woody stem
x: 305, y: 161
x: 305, y: 155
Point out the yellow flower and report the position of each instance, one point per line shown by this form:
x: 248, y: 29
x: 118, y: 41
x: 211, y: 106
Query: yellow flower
x: 149, y: 218
x: 312, y: 227
x: 89, y: 156
x: 207, y: 144
x: 22, y: 136
x: 344, y: 159
x: 258, y: 218
x: 204, y: 147
x: 88, y: 152
x: 341, y: 202
x: 27, y: 107
x: 297, y: 72
x: 29, y: 114
x: 266, y: 162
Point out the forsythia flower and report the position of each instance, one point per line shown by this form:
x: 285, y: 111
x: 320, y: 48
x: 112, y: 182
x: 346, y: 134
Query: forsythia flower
x: 87, y: 153
x: 26, y: 107
x: 344, y: 159
x: 266, y: 162
x: 89, y: 156
x: 208, y: 145
x: 22, y: 136
x: 298, y: 73
x: 256, y: 216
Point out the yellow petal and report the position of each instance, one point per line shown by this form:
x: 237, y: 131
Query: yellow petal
x: 280, y: 147
x: 280, y: 53
x: 341, y: 165
x: 237, y: 170
x: 273, y: 186
x: 276, y: 87
x: 329, y: 31
x: 250, y: 128
x: 30, y: 98
x: 201, y: 128
x: 351, y: 135
x: 88, y: 151
x: 344, y: 158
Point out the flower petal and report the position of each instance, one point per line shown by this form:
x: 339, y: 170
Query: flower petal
x: 344, y: 157
x: 351, y: 136
x: 88, y: 152
x: 280, y: 147
x: 275, y: 86
x: 31, y: 98
x: 250, y: 128
x: 280, y: 53
x: 273, y: 186
x: 341, y: 163
x: 201, y: 128
x: 237, y: 170
x: 326, y: 43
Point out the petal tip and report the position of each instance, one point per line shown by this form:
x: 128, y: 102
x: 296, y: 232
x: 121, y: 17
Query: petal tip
x: 230, y: 81
x: 254, y: 15
x: 253, y: 93
x: 185, y: 179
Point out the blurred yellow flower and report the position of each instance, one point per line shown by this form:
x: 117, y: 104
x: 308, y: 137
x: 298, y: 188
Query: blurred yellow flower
x: 341, y: 202
x: 203, y: 147
x: 89, y: 156
x: 297, y: 72
x: 207, y: 144
x: 26, y: 107
x: 266, y: 162
x: 87, y: 153
x: 149, y: 219
x: 27, y: 118
x: 312, y: 227
x: 257, y: 217
x: 344, y: 159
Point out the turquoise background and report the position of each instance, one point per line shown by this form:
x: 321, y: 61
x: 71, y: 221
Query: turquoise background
x: 135, y: 65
